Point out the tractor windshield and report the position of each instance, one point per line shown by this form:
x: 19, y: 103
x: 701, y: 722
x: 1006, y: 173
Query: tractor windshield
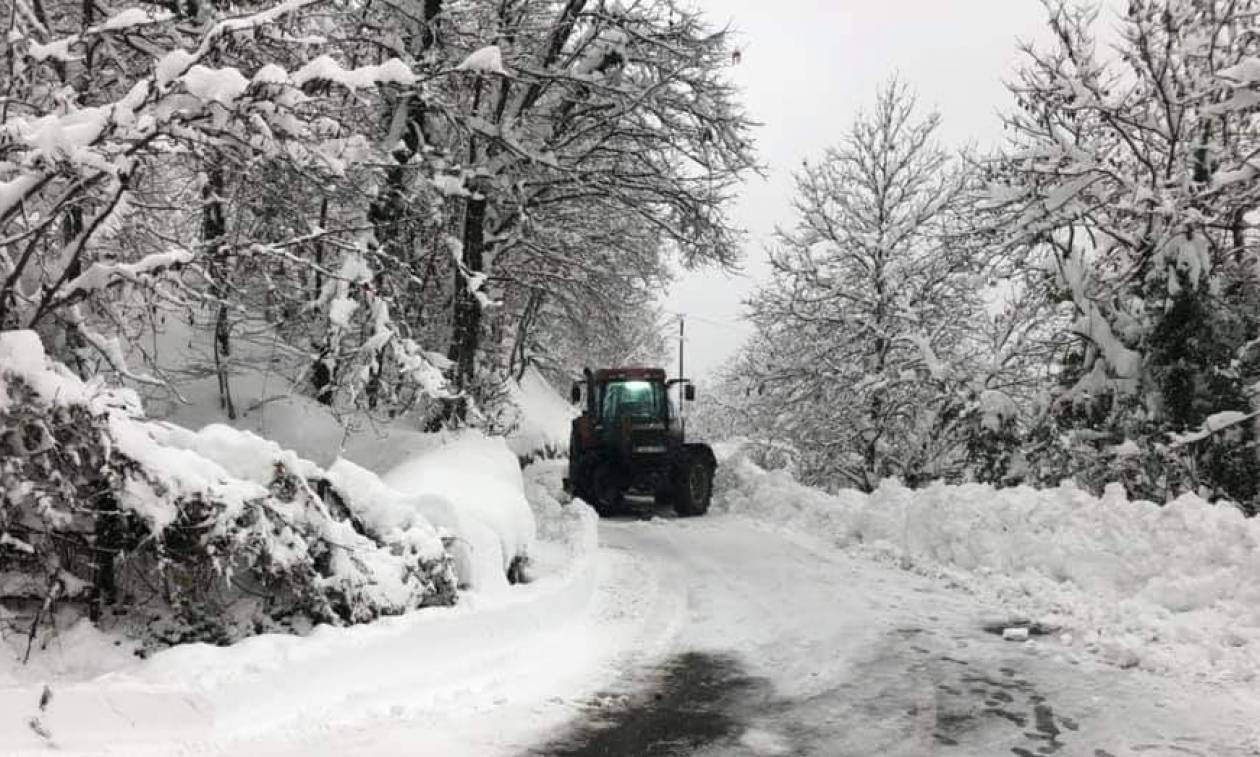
x: 642, y: 400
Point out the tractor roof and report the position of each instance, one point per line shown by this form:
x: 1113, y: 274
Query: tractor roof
x: 630, y: 374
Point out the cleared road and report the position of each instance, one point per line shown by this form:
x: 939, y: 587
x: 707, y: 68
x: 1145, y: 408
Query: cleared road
x: 756, y: 642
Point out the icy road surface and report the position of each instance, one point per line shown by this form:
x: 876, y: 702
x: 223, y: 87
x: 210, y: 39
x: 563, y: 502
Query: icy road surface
x: 777, y: 647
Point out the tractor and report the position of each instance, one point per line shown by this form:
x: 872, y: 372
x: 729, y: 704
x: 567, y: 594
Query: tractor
x: 629, y: 440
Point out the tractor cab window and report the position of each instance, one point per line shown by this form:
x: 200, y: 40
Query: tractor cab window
x: 643, y: 400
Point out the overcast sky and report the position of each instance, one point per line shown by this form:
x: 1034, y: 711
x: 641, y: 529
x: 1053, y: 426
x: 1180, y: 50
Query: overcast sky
x: 807, y: 67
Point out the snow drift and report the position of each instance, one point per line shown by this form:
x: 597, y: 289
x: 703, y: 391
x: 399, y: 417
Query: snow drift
x: 1168, y: 588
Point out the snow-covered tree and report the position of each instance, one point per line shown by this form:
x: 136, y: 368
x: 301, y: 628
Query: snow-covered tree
x: 146, y: 142
x: 860, y: 332
x: 612, y: 120
x: 1134, y: 172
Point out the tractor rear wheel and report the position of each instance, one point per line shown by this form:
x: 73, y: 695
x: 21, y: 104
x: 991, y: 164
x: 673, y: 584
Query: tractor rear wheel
x: 693, y: 488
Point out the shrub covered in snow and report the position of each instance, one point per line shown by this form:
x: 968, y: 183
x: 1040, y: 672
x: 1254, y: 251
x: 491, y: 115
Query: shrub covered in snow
x: 181, y: 535
x: 1167, y: 588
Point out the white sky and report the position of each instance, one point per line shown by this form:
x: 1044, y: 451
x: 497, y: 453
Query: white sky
x: 808, y: 66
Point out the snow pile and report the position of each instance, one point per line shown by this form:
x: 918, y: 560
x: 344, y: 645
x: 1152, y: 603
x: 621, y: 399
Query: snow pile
x: 99, y: 506
x: 568, y: 529
x: 543, y: 417
x: 1169, y: 588
x: 529, y: 645
x: 471, y: 486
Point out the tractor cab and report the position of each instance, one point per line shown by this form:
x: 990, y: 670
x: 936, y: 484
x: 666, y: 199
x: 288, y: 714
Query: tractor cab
x: 616, y: 396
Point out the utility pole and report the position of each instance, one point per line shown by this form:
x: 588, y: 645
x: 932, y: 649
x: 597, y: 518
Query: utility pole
x: 682, y: 385
x: 682, y: 331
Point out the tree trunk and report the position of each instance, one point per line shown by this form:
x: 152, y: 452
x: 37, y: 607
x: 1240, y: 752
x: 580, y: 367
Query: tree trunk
x: 213, y: 231
x: 466, y: 333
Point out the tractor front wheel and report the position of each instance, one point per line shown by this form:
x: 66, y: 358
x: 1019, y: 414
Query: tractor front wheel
x: 693, y: 488
x: 606, y: 495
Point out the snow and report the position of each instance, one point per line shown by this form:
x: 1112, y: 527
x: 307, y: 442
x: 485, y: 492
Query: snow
x: 1166, y: 588
x: 487, y: 60
x: 59, y: 136
x: 22, y: 355
x: 325, y: 68
x: 544, y: 417
x: 341, y: 310
x: 13, y: 543
x: 14, y: 190
x: 449, y: 185
x: 57, y: 49
x: 267, y: 402
x: 852, y: 654
x: 134, y: 17
x: 761, y: 742
x: 1245, y: 73
x: 170, y: 66
x: 996, y: 408
x: 221, y: 85
x: 1127, y: 448
x: 100, y: 275
x: 1214, y: 423
x: 1015, y: 634
x: 270, y: 74
x: 521, y: 654
x: 387, y: 513
x: 473, y: 485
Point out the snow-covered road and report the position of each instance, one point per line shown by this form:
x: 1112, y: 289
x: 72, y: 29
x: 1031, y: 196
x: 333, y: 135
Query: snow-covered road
x: 779, y: 646
x: 714, y: 636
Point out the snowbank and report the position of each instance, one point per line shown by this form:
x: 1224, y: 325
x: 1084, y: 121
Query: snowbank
x: 568, y: 532
x: 211, y: 698
x: 471, y: 485
x: 1169, y: 589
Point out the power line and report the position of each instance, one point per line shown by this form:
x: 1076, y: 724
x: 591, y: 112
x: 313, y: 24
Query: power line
x: 729, y: 325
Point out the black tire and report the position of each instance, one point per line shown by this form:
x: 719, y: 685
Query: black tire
x: 605, y: 496
x: 693, y: 489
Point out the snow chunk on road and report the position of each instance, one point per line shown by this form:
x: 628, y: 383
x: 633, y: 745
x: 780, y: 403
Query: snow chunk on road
x: 764, y: 743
